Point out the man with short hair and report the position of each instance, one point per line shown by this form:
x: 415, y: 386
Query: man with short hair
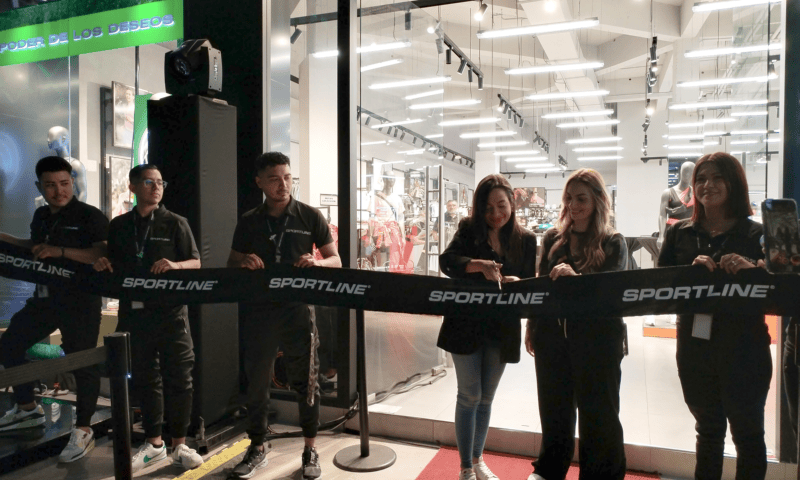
x: 63, y: 228
x: 162, y: 352
x: 451, y: 214
x: 281, y: 230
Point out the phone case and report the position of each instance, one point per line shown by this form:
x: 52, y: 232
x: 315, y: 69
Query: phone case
x: 781, y: 235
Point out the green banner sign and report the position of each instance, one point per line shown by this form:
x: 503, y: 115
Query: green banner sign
x: 125, y: 27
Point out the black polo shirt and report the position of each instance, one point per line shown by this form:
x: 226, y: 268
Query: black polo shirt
x: 75, y: 225
x: 168, y: 236
x: 301, y: 227
x: 685, y: 240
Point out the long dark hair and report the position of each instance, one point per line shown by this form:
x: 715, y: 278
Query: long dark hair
x: 738, y: 203
x: 600, y: 224
x: 511, y: 233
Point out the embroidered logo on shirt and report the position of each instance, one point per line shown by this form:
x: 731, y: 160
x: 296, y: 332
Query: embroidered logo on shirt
x: 301, y: 232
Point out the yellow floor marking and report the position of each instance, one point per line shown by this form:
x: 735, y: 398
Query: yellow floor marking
x: 216, y: 461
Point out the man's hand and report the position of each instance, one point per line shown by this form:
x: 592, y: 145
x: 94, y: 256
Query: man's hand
x: 306, y: 260
x: 164, y: 265
x: 43, y: 251
x: 251, y: 261
x: 102, y: 265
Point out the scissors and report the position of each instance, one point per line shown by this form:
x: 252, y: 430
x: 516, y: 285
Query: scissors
x: 499, y: 284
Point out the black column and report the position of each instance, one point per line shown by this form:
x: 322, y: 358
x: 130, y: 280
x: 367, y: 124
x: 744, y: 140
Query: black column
x: 235, y: 29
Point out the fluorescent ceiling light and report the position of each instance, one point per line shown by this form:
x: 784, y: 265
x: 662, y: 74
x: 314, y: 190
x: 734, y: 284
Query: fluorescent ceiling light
x: 772, y: 140
x: 597, y: 149
x: 727, y: 81
x: 394, y: 124
x: 740, y: 152
x: 469, y: 121
x: 539, y: 29
x: 591, y: 113
x: 554, y: 68
x: 757, y: 113
x: 382, y: 142
x: 326, y: 54
x: 452, y: 103
x: 744, y: 142
x: 409, y: 83
x: 418, y: 151
x: 684, y: 147
x: 387, y: 63
x: 513, y: 143
x: 533, y: 165
x: 543, y: 170
x: 499, y: 133
x: 525, y: 159
x: 726, y: 103
x: 509, y: 153
x: 685, y: 125
x: 564, y: 95
x: 435, y: 135
x: 593, y: 140
x: 716, y: 52
x: 685, y: 154
x: 719, y: 120
x: 749, y: 132
x: 379, y: 47
x: 604, y: 157
x: 723, y: 5
x: 423, y: 94
x: 697, y: 136
x: 714, y: 134
x: 587, y: 124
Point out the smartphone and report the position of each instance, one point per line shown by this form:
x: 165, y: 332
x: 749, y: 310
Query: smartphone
x: 781, y: 235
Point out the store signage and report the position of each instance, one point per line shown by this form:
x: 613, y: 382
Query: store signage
x: 124, y: 27
x: 327, y: 199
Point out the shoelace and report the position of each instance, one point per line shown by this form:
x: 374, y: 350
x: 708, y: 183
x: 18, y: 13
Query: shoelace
x: 484, y: 469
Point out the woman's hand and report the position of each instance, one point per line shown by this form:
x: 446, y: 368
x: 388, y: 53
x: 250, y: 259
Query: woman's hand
x: 529, y: 338
x: 489, y: 269
x: 562, y: 270
x: 706, y: 261
x: 734, y: 262
x: 509, y: 279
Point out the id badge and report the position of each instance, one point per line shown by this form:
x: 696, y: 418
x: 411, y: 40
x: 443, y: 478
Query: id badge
x: 42, y: 291
x: 702, y: 326
x: 137, y: 305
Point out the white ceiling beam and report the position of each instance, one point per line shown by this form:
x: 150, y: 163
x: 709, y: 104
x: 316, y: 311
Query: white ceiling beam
x: 627, y: 52
x: 633, y: 18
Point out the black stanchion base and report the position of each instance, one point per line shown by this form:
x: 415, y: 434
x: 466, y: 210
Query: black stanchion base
x: 350, y: 459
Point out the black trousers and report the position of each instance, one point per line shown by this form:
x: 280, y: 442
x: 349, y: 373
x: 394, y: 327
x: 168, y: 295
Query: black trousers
x: 580, y: 369
x: 161, y: 375
x: 726, y: 379
x: 790, y: 373
x: 79, y: 330
x: 292, y: 329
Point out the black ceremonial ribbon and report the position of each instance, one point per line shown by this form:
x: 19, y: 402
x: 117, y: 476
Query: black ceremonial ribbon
x: 683, y: 290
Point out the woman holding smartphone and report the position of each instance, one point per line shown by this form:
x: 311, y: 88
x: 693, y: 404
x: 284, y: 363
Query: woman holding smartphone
x: 724, y: 361
x: 489, y: 246
x: 578, y: 359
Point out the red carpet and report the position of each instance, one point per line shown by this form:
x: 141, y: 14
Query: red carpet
x: 444, y: 466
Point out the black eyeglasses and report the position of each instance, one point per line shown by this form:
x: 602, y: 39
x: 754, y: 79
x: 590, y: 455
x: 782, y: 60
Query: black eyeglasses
x: 151, y: 183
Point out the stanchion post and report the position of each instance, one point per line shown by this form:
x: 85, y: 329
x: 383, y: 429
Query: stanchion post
x: 118, y: 368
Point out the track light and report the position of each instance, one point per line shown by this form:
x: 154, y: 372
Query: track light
x: 469, y: 75
x: 524, y: 175
x: 481, y: 12
x: 448, y: 57
x: 295, y: 35
x: 505, y: 107
x: 521, y: 122
x: 366, y: 122
x: 408, y: 20
x: 462, y: 66
x: 439, y: 46
x: 402, y: 136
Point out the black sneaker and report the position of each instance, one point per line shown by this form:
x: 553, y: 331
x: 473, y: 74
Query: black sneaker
x: 311, y: 468
x: 253, y: 460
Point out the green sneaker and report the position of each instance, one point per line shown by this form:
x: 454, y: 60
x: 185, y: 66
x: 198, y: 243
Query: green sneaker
x: 148, y: 455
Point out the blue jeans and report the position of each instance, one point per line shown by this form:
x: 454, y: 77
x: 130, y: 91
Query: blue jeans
x: 478, y: 375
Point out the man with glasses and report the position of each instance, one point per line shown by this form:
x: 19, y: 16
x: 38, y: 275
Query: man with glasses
x: 63, y: 228
x: 152, y: 237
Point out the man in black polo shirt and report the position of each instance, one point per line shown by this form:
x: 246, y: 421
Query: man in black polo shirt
x: 161, y: 345
x: 281, y: 230
x: 64, y: 228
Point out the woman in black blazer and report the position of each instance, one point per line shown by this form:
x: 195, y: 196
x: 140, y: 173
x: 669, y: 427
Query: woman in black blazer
x: 488, y: 246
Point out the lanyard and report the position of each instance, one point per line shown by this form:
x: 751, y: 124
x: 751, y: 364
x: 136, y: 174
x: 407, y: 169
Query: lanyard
x: 49, y: 233
x: 719, y: 250
x: 280, y: 239
x: 140, y: 248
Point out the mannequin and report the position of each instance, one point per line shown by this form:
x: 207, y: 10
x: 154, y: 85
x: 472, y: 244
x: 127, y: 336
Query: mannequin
x: 58, y: 140
x: 677, y: 203
x: 386, y: 216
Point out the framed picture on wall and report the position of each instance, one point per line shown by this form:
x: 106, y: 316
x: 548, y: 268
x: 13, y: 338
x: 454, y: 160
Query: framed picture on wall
x: 120, y: 198
x: 123, y: 113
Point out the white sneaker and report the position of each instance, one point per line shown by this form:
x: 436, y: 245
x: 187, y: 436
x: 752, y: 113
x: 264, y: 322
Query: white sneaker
x: 80, y: 443
x: 187, y: 457
x: 482, y: 471
x: 534, y: 476
x: 467, y: 474
x: 148, y: 455
x: 17, y: 418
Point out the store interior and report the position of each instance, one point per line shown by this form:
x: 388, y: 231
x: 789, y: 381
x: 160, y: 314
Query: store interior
x: 657, y: 84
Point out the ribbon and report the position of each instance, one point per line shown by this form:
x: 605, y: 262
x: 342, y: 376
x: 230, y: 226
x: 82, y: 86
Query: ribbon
x: 680, y: 290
